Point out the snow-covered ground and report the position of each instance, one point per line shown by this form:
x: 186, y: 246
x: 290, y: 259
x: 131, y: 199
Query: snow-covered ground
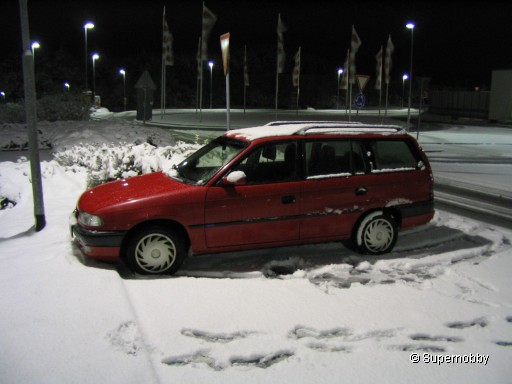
x: 312, y: 314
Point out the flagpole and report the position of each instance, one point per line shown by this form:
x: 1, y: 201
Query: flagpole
x: 277, y: 82
x: 389, y: 50
x: 162, y: 102
x: 201, y: 84
x: 197, y: 93
x: 245, y: 68
x: 298, y: 84
x: 197, y: 74
x: 201, y: 69
x: 162, y: 86
x: 380, y: 76
x: 277, y: 61
x: 349, y: 89
x: 164, y: 89
x: 348, y: 79
x: 386, y: 109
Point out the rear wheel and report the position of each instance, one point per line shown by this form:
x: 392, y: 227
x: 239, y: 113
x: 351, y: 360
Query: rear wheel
x: 155, y: 250
x: 376, y: 234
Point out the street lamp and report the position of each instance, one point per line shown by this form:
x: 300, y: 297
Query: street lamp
x: 123, y: 72
x: 34, y: 46
x: 340, y: 72
x: 410, y: 26
x: 2, y: 93
x: 95, y: 57
x: 210, y: 64
x: 66, y: 86
x: 404, y: 77
x: 86, y: 27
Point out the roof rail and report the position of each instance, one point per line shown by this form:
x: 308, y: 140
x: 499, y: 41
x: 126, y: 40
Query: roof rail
x: 311, y: 127
x: 287, y: 128
x: 348, y: 127
x: 274, y: 123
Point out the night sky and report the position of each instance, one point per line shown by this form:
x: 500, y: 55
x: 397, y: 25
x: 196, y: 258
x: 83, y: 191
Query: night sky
x: 455, y: 43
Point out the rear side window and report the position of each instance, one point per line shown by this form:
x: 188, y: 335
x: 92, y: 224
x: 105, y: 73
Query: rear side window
x: 392, y: 155
x: 333, y: 158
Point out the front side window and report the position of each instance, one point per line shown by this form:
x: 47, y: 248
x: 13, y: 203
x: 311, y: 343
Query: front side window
x: 202, y: 165
x: 270, y: 163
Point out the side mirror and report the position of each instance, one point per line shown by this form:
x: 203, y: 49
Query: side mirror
x: 235, y: 178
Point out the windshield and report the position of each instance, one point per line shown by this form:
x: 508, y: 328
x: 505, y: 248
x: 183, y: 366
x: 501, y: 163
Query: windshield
x: 202, y: 165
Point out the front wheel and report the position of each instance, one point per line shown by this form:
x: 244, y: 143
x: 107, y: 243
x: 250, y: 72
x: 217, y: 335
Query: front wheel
x: 376, y: 234
x: 154, y: 251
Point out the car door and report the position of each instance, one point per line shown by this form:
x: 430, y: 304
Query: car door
x: 265, y: 208
x: 334, y: 191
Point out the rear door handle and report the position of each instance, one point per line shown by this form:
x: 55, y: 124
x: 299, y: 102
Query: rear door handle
x: 288, y: 199
x: 361, y: 191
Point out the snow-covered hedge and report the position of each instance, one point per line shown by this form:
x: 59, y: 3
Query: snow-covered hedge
x: 107, y: 162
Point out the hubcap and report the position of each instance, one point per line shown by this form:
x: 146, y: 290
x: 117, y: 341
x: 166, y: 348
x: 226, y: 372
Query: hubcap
x: 155, y: 253
x: 378, y: 235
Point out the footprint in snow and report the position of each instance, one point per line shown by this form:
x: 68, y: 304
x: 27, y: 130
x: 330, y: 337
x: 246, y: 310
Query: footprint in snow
x: 215, y: 337
x: 203, y: 357
x: 424, y: 337
x: 126, y: 337
x: 480, y: 322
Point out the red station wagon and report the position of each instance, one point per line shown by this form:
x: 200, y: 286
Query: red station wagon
x: 277, y: 185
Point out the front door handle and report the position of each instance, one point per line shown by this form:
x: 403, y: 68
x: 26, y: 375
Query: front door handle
x: 288, y: 199
x: 361, y: 191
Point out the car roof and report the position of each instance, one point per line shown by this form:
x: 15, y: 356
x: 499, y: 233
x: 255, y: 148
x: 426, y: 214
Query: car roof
x: 302, y: 128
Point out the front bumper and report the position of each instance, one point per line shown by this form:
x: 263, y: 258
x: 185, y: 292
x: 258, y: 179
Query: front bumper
x: 99, y: 245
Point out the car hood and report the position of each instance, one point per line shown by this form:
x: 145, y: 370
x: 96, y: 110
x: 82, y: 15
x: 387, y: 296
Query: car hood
x: 129, y: 191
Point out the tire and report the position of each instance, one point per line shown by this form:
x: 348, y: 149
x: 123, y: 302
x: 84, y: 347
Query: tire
x: 155, y: 251
x: 376, y: 234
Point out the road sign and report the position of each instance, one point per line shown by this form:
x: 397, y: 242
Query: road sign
x: 362, y: 80
x: 360, y: 100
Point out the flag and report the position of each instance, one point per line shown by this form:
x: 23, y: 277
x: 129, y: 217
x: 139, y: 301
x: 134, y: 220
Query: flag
x: 344, y: 76
x: 387, y: 61
x: 246, y: 72
x: 354, y: 47
x: 280, y: 45
x: 378, y: 57
x: 209, y: 19
x: 167, y: 40
x: 296, y: 69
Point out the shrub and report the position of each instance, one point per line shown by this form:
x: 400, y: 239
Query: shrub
x: 12, y: 113
x: 64, y: 106
x: 111, y: 162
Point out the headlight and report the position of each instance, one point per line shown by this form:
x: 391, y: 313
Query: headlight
x: 89, y: 220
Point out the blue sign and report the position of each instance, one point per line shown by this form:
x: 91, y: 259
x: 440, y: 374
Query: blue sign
x: 360, y: 100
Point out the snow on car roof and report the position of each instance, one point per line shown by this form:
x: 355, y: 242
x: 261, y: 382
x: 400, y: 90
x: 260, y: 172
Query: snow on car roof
x: 289, y: 128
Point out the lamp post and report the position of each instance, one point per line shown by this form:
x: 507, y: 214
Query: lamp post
x: 340, y: 72
x: 86, y: 27
x: 404, y: 77
x: 123, y: 72
x: 210, y: 64
x: 34, y: 46
x: 95, y: 57
x: 2, y: 93
x: 66, y: 86
x: 410, y: 26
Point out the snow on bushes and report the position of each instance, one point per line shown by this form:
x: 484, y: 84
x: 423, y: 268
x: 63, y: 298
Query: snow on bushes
x: 107, y: 162
x: 132, y: 149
